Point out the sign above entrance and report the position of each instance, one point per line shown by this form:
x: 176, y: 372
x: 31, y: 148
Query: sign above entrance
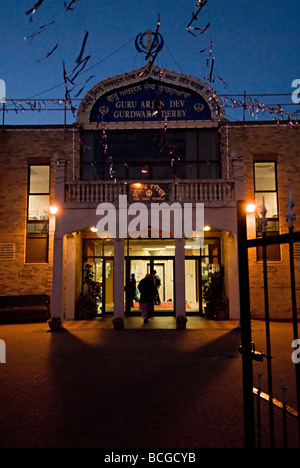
x: 150, y: 101
x: 148, y: 192
x: 151, y: 97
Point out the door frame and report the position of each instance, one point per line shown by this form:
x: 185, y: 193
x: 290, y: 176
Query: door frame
x: 104, y: 260
x: 198, y: 269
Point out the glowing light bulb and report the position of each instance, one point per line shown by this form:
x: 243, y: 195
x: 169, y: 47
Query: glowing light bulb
x: 53, y: 209
x: 250, y: 208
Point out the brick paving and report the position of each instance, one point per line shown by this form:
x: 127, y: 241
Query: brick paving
x: 148, y: 386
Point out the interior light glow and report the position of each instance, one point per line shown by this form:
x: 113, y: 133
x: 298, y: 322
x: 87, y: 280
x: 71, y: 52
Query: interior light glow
x: 206, y: 228
x: 94, y: 229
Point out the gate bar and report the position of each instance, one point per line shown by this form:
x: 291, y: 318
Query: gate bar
x: 268, y: 342
x: 295, y: 320
x: 245, y: 320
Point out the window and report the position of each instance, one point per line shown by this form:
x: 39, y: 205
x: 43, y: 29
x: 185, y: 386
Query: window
x: 265, y: 185
x: 38, y: 214
x: 148, y: 154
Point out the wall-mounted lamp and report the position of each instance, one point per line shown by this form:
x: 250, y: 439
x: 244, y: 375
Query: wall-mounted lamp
x: 53, y: 209
x: 250, y: 208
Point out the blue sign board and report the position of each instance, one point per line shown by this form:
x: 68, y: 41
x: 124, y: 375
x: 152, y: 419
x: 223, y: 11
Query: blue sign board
x: 150, y: 100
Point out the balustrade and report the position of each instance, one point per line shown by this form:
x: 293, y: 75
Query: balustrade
x: 202, y: 191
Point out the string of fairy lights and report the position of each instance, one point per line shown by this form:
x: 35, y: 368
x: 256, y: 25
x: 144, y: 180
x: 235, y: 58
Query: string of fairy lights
x: 252, y: 106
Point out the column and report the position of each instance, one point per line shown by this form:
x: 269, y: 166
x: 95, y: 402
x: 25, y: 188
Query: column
x: 70, y: 291
x: 58, y: 279
x: 180, y: 284
x: 57, y: 282
x: 118, y: 319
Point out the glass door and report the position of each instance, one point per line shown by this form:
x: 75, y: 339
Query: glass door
x: 193, y: 286
x: 108, y: 280
x: 102, y: 270
x: 136, y: 269
x: 98, y: 254
x: 200, y: 264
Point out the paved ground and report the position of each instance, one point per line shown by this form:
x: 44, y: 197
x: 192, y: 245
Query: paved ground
x: 148, y: 386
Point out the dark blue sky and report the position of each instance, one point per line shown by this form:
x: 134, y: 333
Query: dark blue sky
x: 255, y: 45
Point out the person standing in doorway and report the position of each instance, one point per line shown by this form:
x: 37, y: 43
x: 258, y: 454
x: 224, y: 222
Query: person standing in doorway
x: 133, y: 292
x: 147, y: 290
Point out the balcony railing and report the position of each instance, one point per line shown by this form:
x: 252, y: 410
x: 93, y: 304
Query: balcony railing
x: 217, y: 191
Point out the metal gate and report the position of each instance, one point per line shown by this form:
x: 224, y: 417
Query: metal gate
x: 247, y: 349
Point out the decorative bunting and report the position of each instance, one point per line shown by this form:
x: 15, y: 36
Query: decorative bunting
x: 38, y: 31
x: 154, y: 38
x: 201, y: 5
x: 84, y: 62
x: 33, y: 9
x: 158, y: 104
x: 202, y: 31
x: 79, y: 58
x: 49, y: 53
x: 68, y: 7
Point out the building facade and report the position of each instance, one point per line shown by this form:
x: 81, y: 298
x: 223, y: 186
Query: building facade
x: 143, y: 139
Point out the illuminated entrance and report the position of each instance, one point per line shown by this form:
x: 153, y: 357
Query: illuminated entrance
x: 149, y: 256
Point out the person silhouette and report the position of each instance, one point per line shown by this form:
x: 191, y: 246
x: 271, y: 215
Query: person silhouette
x: 147, y: 290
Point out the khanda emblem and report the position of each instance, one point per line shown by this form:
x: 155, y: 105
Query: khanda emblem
x: 149, y: 43
x: 199, y: 107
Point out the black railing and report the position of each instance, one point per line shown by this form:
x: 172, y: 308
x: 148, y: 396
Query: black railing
x: 249, y: 354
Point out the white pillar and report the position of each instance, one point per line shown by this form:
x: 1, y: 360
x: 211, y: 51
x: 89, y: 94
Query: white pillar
x: 57, y: 283
x: 179, y: 278
x: 70, y: 290
x: 118, y: 281
x: 59, y: 196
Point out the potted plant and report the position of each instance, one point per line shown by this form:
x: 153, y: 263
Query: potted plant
x: 215, y: 298
x: 88, y: 302
x: 118, y: 323
x: 181, y: 322
x: 54, y: 323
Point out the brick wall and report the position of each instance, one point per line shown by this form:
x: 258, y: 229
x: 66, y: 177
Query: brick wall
x: 20, y: 146
x: 263, y: 141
